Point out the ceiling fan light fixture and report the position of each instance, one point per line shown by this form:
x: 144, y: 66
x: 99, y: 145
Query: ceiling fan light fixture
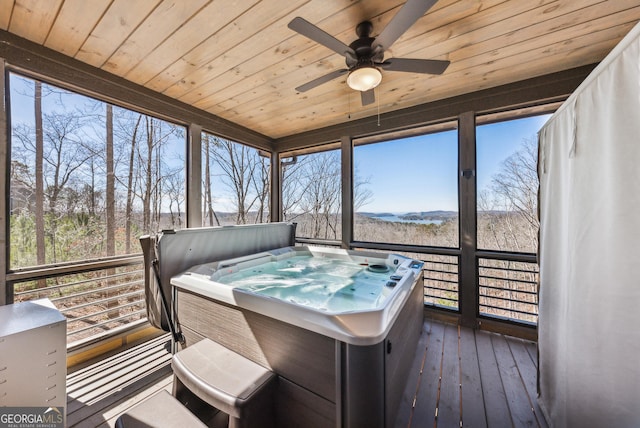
x: 364, y: 78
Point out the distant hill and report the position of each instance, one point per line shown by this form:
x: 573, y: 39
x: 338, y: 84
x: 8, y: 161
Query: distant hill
x: 422, y: 215
x: 370, y: 214
x: 429, y: 215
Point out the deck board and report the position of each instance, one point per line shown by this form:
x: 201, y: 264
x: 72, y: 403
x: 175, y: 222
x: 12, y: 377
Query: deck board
x: 425, y: 409
x: 407, y: 404
x: 109, y: 416
x: 473, y: 413
x: 107, y: 376
x: 517, y: 397
x: 532, y: 349
x: 105, y: 389
x: 495, y: 401
x: 449, y: 395
x: 528, y: 374
x: 488, y: 380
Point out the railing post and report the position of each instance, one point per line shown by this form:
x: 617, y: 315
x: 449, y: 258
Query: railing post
x: 468, y: 290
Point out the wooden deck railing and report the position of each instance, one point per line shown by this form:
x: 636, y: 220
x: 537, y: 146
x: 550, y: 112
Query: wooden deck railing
x: 506, y: 283
x: 440, y: 281
x: 98, y: 297
x: 508, y: 289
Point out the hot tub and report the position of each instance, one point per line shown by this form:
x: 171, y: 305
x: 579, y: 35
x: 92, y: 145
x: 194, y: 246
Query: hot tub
x: 349, y: 296
x: 338, y: 327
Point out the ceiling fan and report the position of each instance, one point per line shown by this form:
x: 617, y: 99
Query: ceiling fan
x: 365, y: 56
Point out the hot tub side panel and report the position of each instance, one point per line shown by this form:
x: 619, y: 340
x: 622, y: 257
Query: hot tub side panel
x: 400, y: 349
x: 297, y: 407
x: 362, y: 386
x: 374, y: 377
x: 304, y: 361
x: 314, y: 371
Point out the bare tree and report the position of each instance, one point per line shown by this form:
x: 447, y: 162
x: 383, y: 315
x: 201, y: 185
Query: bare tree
x: 63, y: 156
x: 245, y: 174
x: 321, y: 200
x: 294, y: 185
x: 147, y: 189
x: 39, y: 170
x: 508, y: 217
x: 517, y: 183
x: 111, y: 185
x: 312, y: 193
x: 153, y: 166
x: 175, y: 193
x: 39, y: 173
x: 508, y: 221
x: 128, y: 214
x: 111, y: 210
x: 54, y: 149
x: 261, y: 187
x: 362, y: 195
x: 210, y: 214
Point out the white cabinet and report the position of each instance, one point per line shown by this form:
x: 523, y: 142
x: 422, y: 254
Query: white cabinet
x: 33, y: 348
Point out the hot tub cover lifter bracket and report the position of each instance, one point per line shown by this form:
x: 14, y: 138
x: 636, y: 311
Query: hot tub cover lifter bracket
x: 174, y: 327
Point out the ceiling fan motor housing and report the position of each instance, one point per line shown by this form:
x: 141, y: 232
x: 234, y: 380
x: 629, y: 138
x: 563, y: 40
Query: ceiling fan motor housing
x: 365, y: 54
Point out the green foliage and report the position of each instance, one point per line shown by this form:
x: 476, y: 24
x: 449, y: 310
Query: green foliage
x: 23, y: 241
x: 73, y: 237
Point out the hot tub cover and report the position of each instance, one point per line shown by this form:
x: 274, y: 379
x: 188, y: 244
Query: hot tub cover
x: 178, y: 250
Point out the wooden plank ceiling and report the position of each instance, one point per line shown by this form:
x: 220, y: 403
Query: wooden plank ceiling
x: 240, y: 61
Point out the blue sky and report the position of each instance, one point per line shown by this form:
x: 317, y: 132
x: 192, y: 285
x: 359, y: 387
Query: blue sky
x: 410, y: 174
x: 420, y: 173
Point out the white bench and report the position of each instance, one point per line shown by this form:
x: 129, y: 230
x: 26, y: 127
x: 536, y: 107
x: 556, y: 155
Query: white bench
x: 227, y: 381
x: 216, y: 375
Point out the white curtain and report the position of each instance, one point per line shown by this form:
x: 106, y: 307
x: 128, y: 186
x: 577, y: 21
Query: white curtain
x: 589, y: 314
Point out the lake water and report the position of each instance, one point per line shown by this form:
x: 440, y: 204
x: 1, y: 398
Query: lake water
x: 396, y: 219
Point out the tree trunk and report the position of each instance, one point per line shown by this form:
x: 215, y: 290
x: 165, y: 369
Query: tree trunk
x: 39, y: 171
x: 111, y: 211
x: 158, y: 188
x: 207, y: 184
x: 92, y: 204
x: 129, y: 207
x: 146, y: 199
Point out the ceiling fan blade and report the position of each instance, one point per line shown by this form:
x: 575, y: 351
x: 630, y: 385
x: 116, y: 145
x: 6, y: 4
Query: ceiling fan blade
x: 320, y: 80
x: 427, y: 66
x: 368, y: 97
x: 307, y: 29
x: 408, y: 14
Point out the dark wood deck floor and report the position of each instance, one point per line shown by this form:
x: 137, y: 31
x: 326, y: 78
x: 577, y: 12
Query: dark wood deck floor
x: 98, y: 393
x: 467, y: 378
x: 459, y: 378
